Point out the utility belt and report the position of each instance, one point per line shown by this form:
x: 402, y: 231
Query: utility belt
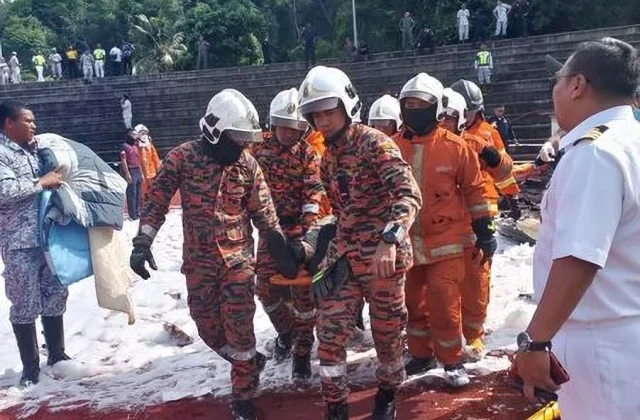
x: 482, y: 66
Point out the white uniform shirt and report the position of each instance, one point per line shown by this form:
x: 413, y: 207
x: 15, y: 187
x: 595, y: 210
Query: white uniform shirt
x: 591, y: 211
x: 502, y: 11
x: 463, y: 17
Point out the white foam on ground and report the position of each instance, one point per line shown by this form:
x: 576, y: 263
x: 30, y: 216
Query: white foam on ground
x: 117, y: 366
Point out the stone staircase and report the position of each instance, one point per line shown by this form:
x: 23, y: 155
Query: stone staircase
x: 171, y: 104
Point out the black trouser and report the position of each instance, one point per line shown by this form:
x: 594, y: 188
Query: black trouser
x: 310, y: 54
x: 134, y: 192
x: 127, y: 66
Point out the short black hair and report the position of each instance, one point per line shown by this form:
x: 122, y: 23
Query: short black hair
x: 610, y: 65
x: 10, y: 109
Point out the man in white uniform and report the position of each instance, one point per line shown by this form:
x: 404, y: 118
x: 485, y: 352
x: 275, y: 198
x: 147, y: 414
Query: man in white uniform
x: 501, y: 13
x: 587, y: 259
x: 463, y: 23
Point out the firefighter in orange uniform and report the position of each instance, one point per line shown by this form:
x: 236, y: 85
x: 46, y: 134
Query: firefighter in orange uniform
x: 497, y: 168
x: 385, y: 115
x: 316, y: 141
x: 449, y: 176
x: 149, y: 159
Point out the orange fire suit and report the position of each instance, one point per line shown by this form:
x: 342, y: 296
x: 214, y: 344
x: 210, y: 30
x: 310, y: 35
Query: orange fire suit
x: 451, y: 183
x: 149, y: 163
x: 369, y: 185
x: 477, y: 283
x: 293, y: 177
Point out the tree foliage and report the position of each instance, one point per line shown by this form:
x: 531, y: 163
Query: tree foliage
x: 235, y: 28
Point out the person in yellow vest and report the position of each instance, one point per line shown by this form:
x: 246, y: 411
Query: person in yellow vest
x: 72, y: 61
x: 98, y: 54
x: 38, y: 62
x: 484, y: 66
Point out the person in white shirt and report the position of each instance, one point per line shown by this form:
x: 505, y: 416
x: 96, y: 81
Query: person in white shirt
x: 55, y: 60
x: 463, y: 23
x: 14, y: 65
x: 127, y: 114
x: 116, y: 58
x: 586, y: 266
x: 501, y: 13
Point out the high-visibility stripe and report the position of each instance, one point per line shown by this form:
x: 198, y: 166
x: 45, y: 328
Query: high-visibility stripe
x: 471, y: 324
x: 415, y: 332
x: 480, y: 208
x: 333, y: 371
x: 305, y: 316
x: 450, y: 343
x: 446, y: 250
x: 240, y: 356
x: 311, y: 208
x: 149, y: 231
x: 418, y: 242
x: 272, y: 308
x: 506, y: 183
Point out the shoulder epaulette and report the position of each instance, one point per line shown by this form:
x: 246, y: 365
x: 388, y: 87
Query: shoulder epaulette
x: 592, y: 135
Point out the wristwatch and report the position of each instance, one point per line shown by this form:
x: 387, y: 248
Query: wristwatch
x: 526, y: 344
x: 393, y: 233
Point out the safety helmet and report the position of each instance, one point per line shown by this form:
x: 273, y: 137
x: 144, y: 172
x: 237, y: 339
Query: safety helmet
x: 284, y: 111
x: 140, y: 128
x: 325, y: 88
x: 456, y: 107
x: 427, y: 88
x: 386, y: 108
x: 230, y: 111
x: 471, y: 94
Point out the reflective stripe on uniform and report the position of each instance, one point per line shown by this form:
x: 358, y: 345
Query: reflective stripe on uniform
x: 450, y: 343
x: 445, y: 250
x: 474, y: 325
x: 311, y: 208
x: 415, y: 332
x: 270, y: 309
x: 419, y: 256
x: 240, y: 356
x: 506, y: 183
x: 305, y: 316
x: 333, y: 371
x: 149, y: 231
x: 480, y: 208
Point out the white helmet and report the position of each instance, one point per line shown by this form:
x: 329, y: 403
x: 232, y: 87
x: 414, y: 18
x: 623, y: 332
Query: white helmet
x: 325, y: 88
x: 284, y: 111
x: 456, y: 107
x: 386, y: 108
x: 229, y: 110
x: 427, y: 88
x: 141, y: 128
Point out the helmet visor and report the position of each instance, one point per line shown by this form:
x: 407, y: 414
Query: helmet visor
x: 375, y: 123
x: 244, y: 137
x: 289, y: 123
x: 427, y: 97
x: 319, y: 105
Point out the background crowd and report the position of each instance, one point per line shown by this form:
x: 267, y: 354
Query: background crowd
x: 172, y: 34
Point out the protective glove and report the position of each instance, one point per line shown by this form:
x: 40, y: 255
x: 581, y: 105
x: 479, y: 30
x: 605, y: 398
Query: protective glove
x: 326, y: 282
x: 142, y: 254
x: 286, y: 255
x: 491, y: 156
x: 547, y: 153
x: 321, y: 245
x: 484, y: 230
x: 515, y: 213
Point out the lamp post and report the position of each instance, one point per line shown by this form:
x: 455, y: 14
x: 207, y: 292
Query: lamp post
x: 355, y: 25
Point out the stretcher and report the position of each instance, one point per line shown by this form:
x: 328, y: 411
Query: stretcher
x: 303, y: 279
x: 522, y: 231
x: 550, y: 411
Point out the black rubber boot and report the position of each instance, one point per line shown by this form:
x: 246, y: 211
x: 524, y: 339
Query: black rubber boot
x: 385, y: 405
x: 360, y: 318
x: 27, y: 340
x: 301, y: 370
x: 338, y: 411
x: 417, y: 366
x: 243, y: 410
x: 282, y: 255
x: 261, y: 361
x: 282, y: 350
x: 54, y: 337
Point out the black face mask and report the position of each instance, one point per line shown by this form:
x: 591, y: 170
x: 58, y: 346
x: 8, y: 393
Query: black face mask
x: 420, y: 121
x: 226, y: 151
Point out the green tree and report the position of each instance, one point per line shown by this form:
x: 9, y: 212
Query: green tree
x: 160, y: 45
x: 24, y: 35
